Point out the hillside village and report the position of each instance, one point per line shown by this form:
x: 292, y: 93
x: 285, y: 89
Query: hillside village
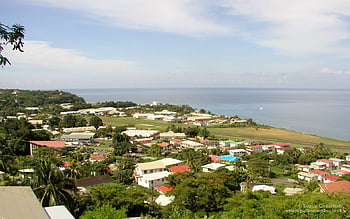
x: 95, y: 156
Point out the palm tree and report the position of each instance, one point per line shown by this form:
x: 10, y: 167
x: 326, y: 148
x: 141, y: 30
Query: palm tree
x: 51, y: 186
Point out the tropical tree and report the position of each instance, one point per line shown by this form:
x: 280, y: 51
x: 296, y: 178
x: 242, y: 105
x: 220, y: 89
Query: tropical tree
x: 121, y: 144
x: 14, y: 36
x: 95, y: 121
x: 51, y: 186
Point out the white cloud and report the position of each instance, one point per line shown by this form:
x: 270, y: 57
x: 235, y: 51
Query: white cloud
x: 296, y: 26
x: 188, y: 17
x: 326, y: 70
x: 291, y: 27
x: 44, y: 66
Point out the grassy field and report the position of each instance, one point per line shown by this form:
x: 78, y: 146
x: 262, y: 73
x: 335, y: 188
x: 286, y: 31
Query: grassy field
x: 282, y: 134
x: 274, y: 133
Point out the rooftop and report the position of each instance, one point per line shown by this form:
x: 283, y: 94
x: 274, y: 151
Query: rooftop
x: 50, y: 144
x: 339, y: 186
x: 95, y: 180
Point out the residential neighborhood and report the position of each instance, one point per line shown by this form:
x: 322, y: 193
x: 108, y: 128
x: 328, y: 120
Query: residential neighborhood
x: 151, y: 157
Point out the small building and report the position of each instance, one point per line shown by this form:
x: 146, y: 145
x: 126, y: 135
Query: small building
x: 255, y: 148
x: 307, y: 176
x: 79, y: 138
x: 266, y: 188
x: 211, y: 167
x: 330, y: 178
x: 238, y: 152
x: 34, y: 145
x: 180, y: 169
x: 132, y: 132
x: 320, y: 174
x: 334, y: 187
x: 84, y: 184
x: 339, y: 172
x: 172, y: 135
x: 305, y: 168
x: 79, y: 129
x: 191, y: 144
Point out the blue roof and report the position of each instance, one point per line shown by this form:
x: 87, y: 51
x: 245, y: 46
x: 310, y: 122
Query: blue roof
x: 229, y: 158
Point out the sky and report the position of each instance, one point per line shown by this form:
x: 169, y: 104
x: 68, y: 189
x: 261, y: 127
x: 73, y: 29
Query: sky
x: 178, y: 43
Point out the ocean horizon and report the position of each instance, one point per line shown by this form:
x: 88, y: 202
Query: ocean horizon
x: 322, y: 112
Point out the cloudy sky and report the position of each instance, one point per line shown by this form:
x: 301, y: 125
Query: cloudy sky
x: 179, y: 43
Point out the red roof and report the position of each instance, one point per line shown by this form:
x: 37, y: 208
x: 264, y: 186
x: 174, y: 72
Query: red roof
x: 165, y: 189
x: 303, y: 166
x: 332, y: 177
x: 204, y: 141
x: 282, y: 144
x: 339, y: 186
x: 164, y: 144
x: 255, y: 146
x: 180, y: 169
x: 65, y: 163
x: 215, y: 158
x: 101, y: 157
x: 50, y: 144
x: 341, y: 171
x: 325, y: 160
x: 319, y: 172
x: 176, y: 141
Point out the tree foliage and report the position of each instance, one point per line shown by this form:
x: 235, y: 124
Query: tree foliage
x: 14, y: 36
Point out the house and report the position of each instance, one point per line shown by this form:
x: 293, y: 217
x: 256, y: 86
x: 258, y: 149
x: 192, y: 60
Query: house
x: 238, y: 152
x: 166, y: 146
x: 153, y: 174
x: 255, y: 148
x: 267, y: 188
x: 164, y: 200
x: 281, y: 150
x: 345, y: 167
x: 79, y: 129
x: 212, y: 167
x: 330, y: 178
x: 153, y: 180
x: 20, y: 202
x: 172, y: 135
x: 333, y: 187
x: 230, y: 143
x: 84, y: 184
x: 268, y: 147
x: 97, y: 158
x: 79, y: 138
x: 175, y: 141
x: 320, y: 174
x: 180, y: 169
x: 305, y: 168
x: 34, y: 145
x: 307, y: 176
x: 337, y: 163
x: 132, y: 132
x: 339, y: 172
x: 323, y: 164
x: 164, y: 189
x: 191, y: 144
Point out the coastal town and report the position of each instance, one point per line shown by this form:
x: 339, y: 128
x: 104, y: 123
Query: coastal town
x: 169, y: 157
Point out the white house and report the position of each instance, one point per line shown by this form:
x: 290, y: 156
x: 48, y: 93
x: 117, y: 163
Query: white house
x: 191, y: 144
x: 212, y: 167
x: 153, y: 174
x: 238, y: 152
x: 267, y: 188
x: 307, y: 176
x: 140, y: 132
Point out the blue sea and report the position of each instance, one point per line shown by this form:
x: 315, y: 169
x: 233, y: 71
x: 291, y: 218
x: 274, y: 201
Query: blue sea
x: 310, y: 111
